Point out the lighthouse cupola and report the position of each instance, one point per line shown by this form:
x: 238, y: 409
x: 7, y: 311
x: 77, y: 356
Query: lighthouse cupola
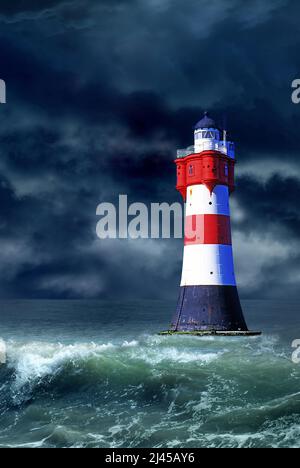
x: 206, y: 134
x: 209, y: 137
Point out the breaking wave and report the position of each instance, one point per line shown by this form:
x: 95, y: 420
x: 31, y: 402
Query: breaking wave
x: 150, y: 392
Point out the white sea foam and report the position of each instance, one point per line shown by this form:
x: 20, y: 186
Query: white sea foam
x: 130, y: 344
x: 155, y: 356
x: 33, y: 361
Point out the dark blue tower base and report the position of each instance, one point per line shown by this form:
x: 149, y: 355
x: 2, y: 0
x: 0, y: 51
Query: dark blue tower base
x: 209, y: 309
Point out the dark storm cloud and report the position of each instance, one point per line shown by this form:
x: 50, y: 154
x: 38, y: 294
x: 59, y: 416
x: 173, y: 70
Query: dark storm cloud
x: 271, y: 203
x: 12, y: 7
x: 100, y: 95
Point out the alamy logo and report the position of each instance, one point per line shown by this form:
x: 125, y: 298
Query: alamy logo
x: 137, y: 221
x: 296, y: 353
x: 2, y: 92
x: 2, y: 352
x: 296, y: 92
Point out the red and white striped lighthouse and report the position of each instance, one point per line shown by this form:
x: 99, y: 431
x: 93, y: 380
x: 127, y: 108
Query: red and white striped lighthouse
x: 208, y: 300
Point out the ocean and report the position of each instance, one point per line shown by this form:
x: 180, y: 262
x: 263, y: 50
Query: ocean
x: 96, y: 374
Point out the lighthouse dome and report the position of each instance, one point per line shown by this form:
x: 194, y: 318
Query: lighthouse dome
x: 205, y: 122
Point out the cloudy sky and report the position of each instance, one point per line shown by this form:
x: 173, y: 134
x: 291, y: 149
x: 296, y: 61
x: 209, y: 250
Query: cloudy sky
x: 99, y: 96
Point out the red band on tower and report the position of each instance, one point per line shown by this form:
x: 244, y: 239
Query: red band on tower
x: 207, y: 229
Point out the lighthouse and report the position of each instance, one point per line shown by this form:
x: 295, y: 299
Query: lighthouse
x: 208, y: 298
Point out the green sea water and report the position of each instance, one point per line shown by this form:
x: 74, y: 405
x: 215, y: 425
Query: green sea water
x: 96, y: 374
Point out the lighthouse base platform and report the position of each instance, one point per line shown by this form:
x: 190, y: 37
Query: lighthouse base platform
x: 212, y: 333
x: 209, y: 308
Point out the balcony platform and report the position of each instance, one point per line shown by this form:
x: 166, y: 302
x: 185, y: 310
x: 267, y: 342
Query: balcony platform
x: 211, y: 333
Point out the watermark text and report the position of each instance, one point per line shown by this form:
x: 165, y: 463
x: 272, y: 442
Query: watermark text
x: 2, y: 92
x: 296, y: 353
x: 296, y: 92
x: 139, y: 221
x: 2, y: 352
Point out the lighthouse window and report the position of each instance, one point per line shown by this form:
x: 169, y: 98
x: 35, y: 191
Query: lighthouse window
x: 191, y: 170
x: 226, y: 170
x: 208, y: 134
